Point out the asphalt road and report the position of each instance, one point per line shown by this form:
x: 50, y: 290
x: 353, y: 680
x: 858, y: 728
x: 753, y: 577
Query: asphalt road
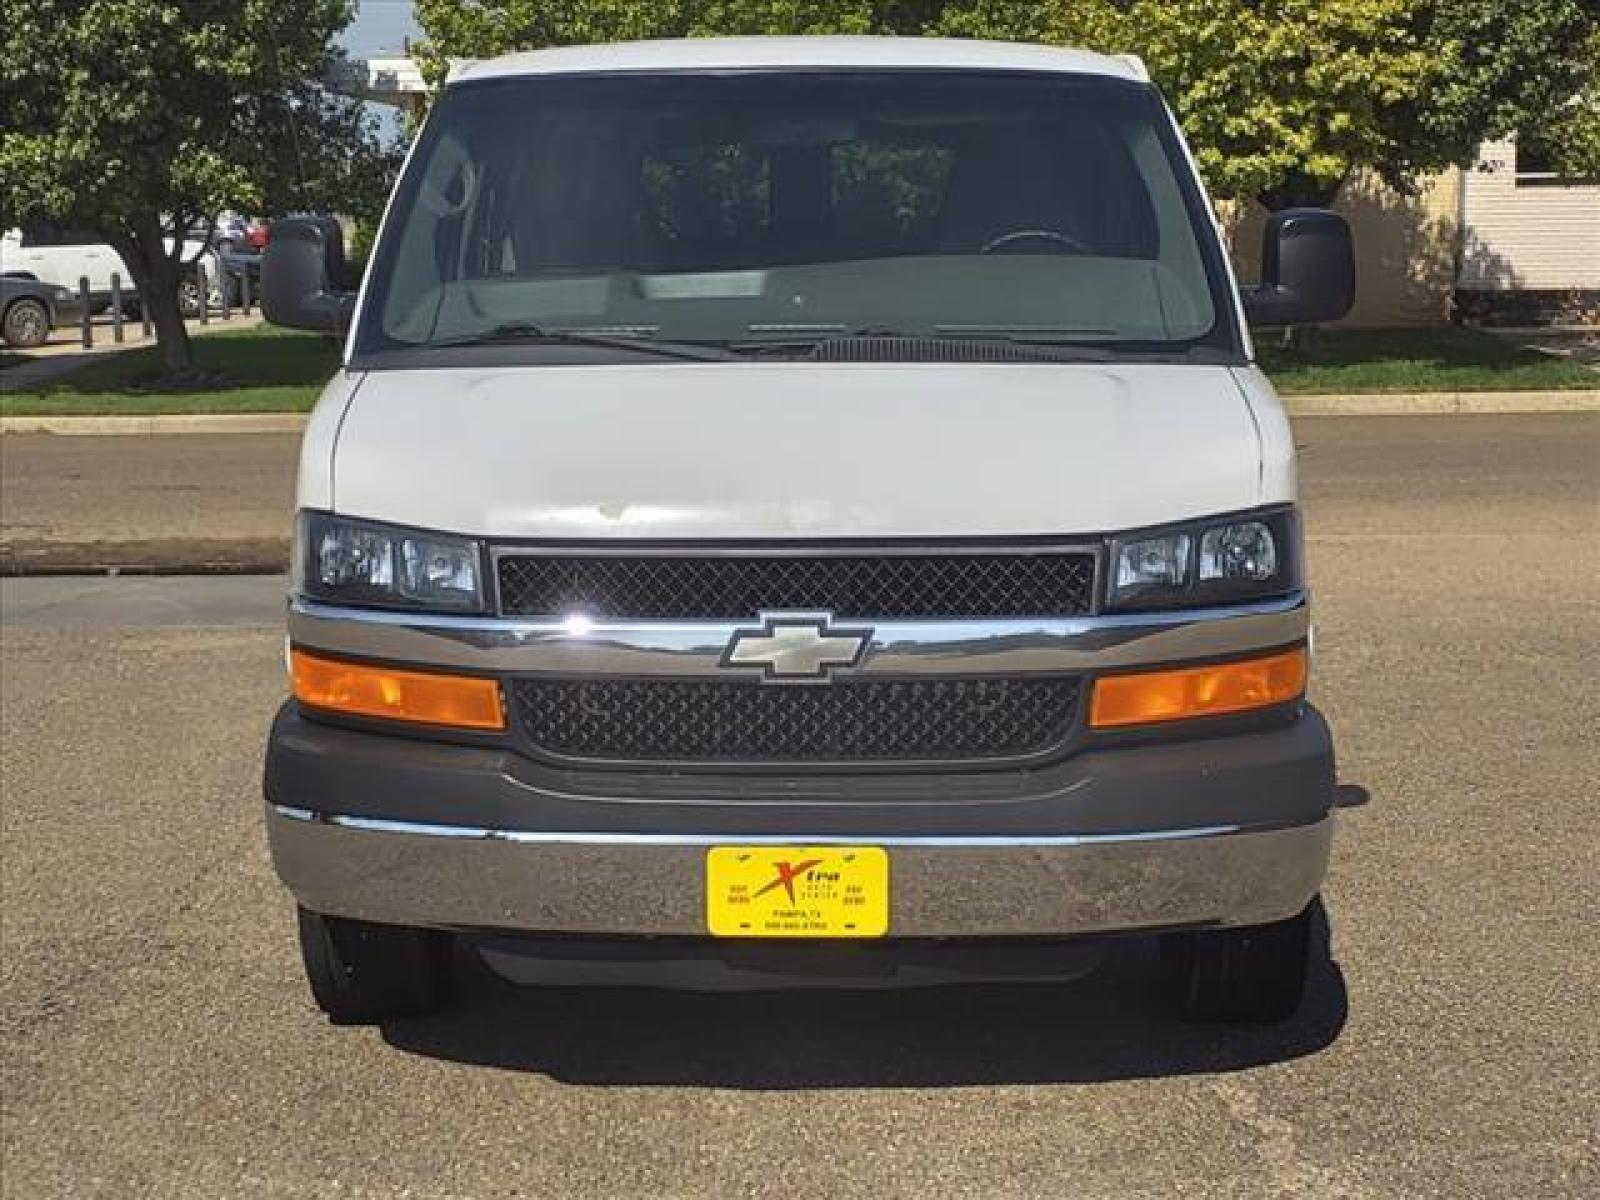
x: 157, y: 1040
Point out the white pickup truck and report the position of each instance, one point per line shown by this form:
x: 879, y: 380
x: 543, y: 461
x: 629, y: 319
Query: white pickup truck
x: 801, y: 511
x: 65, y: 257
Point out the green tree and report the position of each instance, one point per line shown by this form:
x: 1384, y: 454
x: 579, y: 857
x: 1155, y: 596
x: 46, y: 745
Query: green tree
x: 1283, y: 99
x: 141, y: 119
x: 482, y: 28
x: 1572, y: 132
x: 1531, y: 68
x: 1280, y: 99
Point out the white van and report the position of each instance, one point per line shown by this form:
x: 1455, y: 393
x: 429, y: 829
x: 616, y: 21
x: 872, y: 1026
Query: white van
x: 795, y: 511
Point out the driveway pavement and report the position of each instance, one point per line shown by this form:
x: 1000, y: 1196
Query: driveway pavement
x: 157, y: 1040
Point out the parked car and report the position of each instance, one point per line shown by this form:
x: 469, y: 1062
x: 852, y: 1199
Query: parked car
x: 228, y: 230
x: 241, y: 234
x: 29, y: 310
x: 801, y: 509
x: 62, y: 256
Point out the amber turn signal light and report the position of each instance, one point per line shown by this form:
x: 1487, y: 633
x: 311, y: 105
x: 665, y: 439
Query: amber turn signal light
x: 1209, y: 691
x: 462, y: 701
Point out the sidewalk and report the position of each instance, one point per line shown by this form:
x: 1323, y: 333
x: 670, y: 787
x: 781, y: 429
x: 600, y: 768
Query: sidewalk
x: 64, y: 352
x: 1378, y: 404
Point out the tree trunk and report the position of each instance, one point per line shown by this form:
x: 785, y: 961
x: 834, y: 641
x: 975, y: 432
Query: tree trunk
x: 166, y: 314
x: 158, y: 277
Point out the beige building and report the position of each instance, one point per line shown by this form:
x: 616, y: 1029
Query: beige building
x: 1526, y: 229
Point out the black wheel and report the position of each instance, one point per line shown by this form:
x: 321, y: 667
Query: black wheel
x: 189, y: 297
x: 1256, y: 974
x: 27, y: 323
x: 361, y: 973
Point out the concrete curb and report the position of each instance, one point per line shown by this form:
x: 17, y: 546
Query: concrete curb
x: 1413, y: 404
x: 222, y: 555
x: 175, y: 423
x: 1418, y: 404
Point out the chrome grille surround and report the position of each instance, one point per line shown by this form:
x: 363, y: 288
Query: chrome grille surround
x: 694, y: 649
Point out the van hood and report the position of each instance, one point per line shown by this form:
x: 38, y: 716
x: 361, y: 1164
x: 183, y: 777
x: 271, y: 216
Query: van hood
x: 796, y: 450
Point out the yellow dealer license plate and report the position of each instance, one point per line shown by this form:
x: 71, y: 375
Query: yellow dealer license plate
x: 797, y: 891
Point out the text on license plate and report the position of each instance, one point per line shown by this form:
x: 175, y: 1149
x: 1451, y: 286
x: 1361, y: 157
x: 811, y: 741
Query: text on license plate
x: 797, y: 891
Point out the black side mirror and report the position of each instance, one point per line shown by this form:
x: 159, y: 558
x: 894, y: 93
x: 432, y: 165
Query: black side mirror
x: 1308, y: 270
x: 303, y: 276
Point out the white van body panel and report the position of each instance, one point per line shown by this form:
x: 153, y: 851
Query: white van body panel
x: 314, y: 485
x: 831, y: 53
x: 1279, y: 483
x: 792, y: 450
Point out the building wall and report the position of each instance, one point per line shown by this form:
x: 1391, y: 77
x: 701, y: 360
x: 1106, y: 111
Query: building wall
x: 1527, y: 236
x: 1406, y: 248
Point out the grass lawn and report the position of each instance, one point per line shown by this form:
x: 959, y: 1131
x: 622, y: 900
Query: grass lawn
x: 1417, y: 360
x: 282, y: 371
x: 277, y: 370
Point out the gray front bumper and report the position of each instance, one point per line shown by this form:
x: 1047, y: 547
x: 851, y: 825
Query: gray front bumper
x: 475, y: 878
x: 1208, y: 831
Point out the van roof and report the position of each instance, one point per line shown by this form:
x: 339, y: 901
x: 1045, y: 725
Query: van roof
x: 743, y: 53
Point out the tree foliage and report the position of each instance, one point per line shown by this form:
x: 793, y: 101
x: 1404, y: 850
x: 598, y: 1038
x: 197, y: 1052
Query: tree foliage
x: 1572, y: 132
x: 482, y: 28
x: 144, y: 118
x: 1531, y: 67
x: 1281, y: 99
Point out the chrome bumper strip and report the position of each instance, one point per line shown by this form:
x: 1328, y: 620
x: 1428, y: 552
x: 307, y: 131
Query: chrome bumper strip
x: 580, y: 646
x: 525, y: 837
x: 449, y: 877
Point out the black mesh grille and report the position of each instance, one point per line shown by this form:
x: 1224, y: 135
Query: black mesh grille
x: 850, y: 720
x: 886, y: 585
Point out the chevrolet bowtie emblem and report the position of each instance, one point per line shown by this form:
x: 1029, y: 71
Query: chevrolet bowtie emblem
x: 796, y: 647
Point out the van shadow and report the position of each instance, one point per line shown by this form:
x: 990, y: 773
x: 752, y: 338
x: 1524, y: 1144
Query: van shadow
x: 1108, y: 1026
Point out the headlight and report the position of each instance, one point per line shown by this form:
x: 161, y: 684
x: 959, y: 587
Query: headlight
x: 1244, y: 550
x: 1217, y: 561
x: 361, y: 562
x: 62, y: 293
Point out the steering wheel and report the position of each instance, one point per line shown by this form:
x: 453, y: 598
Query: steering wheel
x: 1066, y: 242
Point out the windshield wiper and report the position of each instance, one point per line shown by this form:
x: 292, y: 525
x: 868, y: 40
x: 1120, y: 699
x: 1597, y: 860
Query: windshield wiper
x: 526, y: 333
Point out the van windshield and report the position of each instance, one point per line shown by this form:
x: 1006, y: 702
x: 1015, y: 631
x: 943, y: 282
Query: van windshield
x: 761, y: 209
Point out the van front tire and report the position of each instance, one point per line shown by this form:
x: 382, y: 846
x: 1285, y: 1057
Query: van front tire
x: 1251, y: 975
x: 361, y: 973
